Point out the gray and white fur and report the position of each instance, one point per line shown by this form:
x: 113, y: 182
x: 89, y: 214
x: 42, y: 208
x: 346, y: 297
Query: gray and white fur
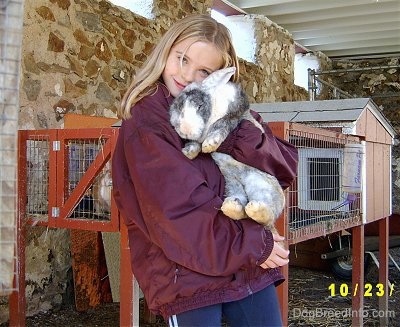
x: 204, y: 114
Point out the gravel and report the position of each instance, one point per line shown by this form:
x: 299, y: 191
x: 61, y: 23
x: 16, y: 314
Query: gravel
x: 310, y: 303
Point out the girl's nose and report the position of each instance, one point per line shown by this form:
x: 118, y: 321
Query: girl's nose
x: 188, y: 74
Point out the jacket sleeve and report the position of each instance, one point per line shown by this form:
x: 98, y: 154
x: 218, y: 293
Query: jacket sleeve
x: 263, y: 151
x: 179, y: 211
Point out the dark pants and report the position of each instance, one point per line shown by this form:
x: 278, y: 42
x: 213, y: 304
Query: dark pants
x: 260, y: 309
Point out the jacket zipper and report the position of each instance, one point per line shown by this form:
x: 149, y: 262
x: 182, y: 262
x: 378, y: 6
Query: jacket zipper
x: 247, y: 280
x: 249, y: 290
x: 176, y: 275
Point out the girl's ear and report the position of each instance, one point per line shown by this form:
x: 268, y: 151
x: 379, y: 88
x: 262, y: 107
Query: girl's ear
x: 219, y: 77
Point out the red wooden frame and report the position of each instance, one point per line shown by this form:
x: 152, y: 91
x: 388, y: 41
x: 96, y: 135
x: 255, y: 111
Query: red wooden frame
x: 57, y: 189
x: 58, y: 177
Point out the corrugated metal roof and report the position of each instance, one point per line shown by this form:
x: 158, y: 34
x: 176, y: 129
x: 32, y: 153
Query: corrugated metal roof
x: 342, y: 110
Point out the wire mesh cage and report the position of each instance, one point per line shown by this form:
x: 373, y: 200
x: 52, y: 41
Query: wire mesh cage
x: 68, y: 176
x: 11, y: 16
x: 38, y: 149
x: 96, y: 202
x: 320, y: 202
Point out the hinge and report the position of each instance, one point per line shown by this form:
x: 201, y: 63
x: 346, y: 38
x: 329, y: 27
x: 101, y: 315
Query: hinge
x: 56, y: 145
x: 55, y: 212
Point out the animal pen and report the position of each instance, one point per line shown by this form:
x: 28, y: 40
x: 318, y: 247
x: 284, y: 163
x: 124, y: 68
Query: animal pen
x: 63, y: 184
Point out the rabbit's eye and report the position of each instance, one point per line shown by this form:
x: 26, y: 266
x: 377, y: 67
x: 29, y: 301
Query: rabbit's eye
x: 202, y: 107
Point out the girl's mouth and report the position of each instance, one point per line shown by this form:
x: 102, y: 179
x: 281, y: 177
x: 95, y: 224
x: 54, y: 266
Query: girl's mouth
x: 179, y: 85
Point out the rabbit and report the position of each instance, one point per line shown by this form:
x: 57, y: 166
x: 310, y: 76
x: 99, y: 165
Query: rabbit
x: 102, y: 189
x: 204, y: 114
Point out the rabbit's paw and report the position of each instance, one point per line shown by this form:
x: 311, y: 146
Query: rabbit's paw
x: 233, y: 208
x: 260, y: 212
x: 191, y: 150
x: 211, y: 143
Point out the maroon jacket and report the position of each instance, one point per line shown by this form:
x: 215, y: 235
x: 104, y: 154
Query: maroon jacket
x: 185, y: 253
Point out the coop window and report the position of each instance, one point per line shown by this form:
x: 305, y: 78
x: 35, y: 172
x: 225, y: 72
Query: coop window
x: 323, y: 174
x: 320, y: 178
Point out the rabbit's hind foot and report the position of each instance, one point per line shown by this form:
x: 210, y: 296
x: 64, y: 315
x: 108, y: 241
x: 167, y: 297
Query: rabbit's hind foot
x: 233, y: 208
x: 260, y: 212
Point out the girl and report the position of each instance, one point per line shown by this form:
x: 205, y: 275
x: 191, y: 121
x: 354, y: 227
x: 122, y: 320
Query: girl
x: 193, y: 264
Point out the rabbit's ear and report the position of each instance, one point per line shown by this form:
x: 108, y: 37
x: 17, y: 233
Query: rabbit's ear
x: 218, y: 77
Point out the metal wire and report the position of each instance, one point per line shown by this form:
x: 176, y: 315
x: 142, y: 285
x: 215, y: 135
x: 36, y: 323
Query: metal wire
x: 11, y: 16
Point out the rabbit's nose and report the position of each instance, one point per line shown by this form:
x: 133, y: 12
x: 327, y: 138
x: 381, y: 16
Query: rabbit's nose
x: 185, y: 128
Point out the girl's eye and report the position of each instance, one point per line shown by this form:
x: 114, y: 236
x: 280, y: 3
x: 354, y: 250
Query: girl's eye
x: 204, y: 73
x: 183, y: 60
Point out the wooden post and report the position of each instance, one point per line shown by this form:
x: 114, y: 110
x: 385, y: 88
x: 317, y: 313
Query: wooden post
x: 383, y: 269
x: 283, y: 289
x: 129, y: 290
x: 358, y: 275
x: 17, y: 299
x: 279, y: 129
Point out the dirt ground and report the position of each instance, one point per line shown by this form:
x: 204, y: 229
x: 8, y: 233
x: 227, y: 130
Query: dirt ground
x: 310, y: 303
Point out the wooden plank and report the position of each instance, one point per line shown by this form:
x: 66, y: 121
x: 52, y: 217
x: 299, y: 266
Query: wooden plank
x: 387, y: 180
x: 371, y: 127
x: 91, y: 281
x: 361, y: 124
x: 112, y: 244
x: 369, y: 189
x: 85, y: 121
x: 379, y: 179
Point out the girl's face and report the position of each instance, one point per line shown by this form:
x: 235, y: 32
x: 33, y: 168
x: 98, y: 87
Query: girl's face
x: 190, y: 61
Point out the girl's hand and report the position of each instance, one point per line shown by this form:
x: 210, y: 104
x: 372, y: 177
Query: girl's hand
x: 279, y: 255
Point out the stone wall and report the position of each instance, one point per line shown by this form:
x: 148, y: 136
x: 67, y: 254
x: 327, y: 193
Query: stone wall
x: 79, y: 56
x: 375, y: 78
x: 84, y: 54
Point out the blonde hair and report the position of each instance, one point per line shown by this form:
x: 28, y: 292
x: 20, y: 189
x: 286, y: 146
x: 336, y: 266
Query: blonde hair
x: 201, y: 28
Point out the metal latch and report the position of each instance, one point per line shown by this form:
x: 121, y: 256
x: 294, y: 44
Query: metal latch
x: 56, y: 145
x: 55, y: 212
